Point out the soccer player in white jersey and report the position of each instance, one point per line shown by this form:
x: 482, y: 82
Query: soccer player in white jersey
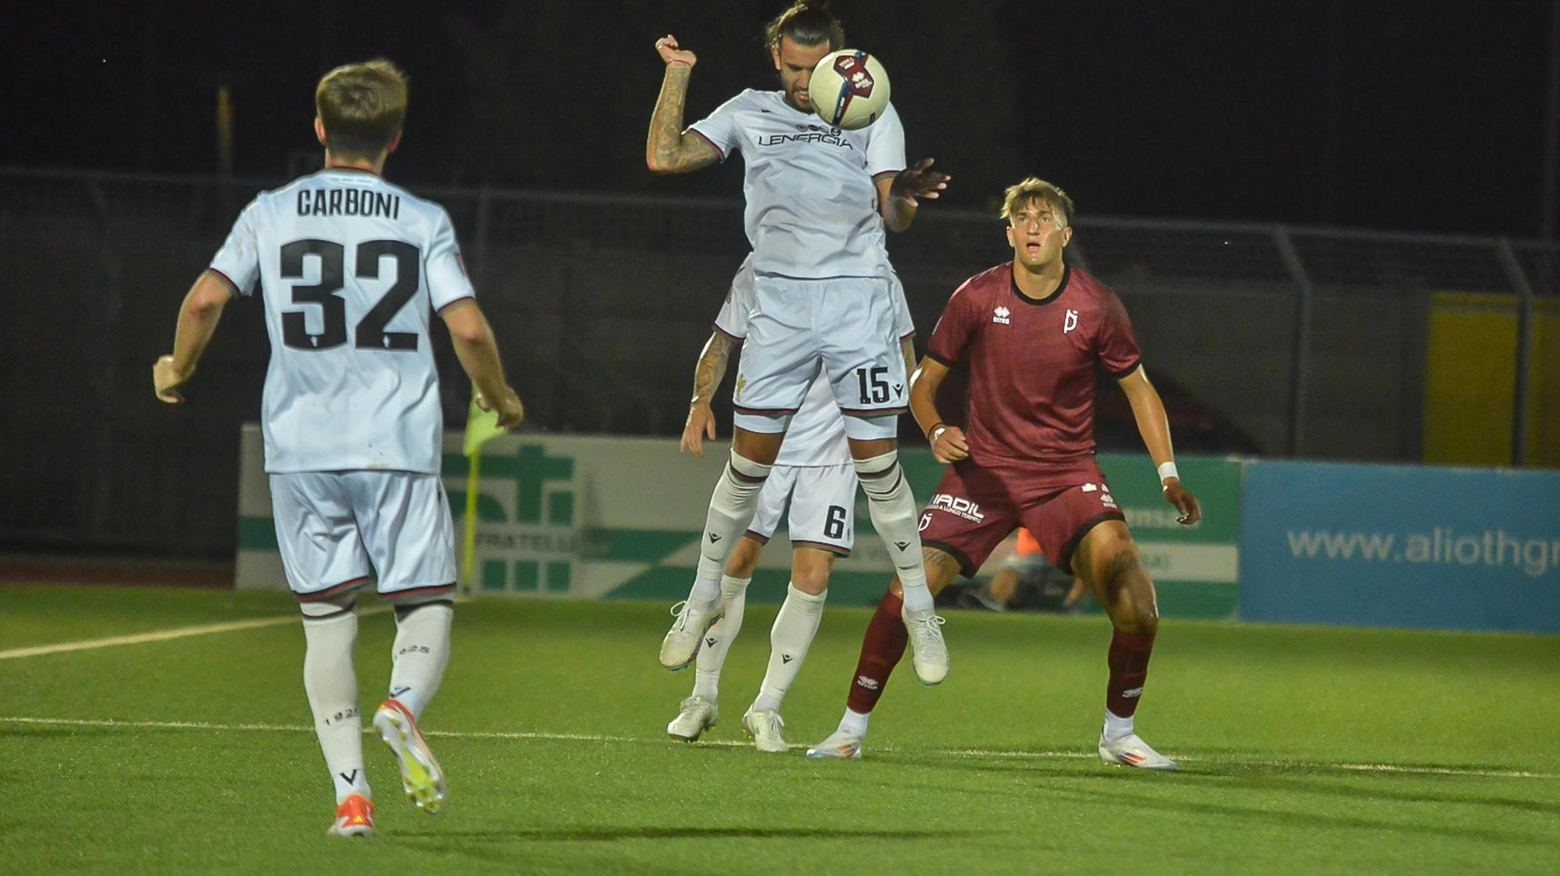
x: 818, y: 199
x: 814, y: 473
x: 352, y: 267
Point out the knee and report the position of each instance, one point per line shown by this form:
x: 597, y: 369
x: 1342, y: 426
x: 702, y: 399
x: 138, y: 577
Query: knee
x: 811, y: 582
x: 1136, y: 619
x: 1128, y: 593
x: 406, y: 606
x: 876, y: 472
x: 329, y: 607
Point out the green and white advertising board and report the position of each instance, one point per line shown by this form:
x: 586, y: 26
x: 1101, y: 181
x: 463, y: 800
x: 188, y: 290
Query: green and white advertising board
x: 567, y: 516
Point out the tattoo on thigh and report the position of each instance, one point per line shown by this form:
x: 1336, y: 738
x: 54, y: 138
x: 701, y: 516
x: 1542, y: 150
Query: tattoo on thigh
x: 939, y: 561
x: 1119, y: 567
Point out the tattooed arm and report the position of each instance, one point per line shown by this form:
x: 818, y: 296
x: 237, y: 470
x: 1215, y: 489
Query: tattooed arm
x: 670, y: 149
x: 706, y: 378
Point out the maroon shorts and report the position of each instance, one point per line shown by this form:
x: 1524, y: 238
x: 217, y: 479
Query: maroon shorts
x: 975, y: 507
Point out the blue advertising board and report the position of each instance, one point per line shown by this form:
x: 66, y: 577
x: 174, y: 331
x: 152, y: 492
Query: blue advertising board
x: 1400, y: 546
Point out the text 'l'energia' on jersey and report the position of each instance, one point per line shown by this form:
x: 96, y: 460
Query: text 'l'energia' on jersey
x: 1032, y: 363
x: 812, y: 209
x: 352, y: 267
x: 816, y: 435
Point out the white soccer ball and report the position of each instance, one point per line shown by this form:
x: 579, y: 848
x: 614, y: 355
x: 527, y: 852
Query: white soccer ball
x: 849, y: 89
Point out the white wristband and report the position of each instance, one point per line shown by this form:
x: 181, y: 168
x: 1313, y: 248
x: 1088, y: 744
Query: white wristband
x: 1167, y: 471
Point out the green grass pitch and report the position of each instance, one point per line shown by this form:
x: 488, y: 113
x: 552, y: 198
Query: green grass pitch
x: 1303, y: 750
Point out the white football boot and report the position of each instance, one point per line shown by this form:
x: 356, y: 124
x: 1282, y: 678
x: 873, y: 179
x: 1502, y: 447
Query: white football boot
x: 764, y: 728
x: 682, y: 641
x: 928, y: 651
x: 694, y: 716
x: 841, y: 744
x: 1132, y: 751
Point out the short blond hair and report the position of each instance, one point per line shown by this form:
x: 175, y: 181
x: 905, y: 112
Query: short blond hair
x: 1035, y: 189
x: 362, y: 107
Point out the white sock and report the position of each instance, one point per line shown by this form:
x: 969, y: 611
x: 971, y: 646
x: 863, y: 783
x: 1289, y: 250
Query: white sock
x: 789, y: 639
x: 731, y: 510
x: 855, y: 723
x: 420, y: 653
x: 1115, y: 727
x: 706, y: 678
x: 330, y: 680
x: 349, y: 783
x: 895, y: 517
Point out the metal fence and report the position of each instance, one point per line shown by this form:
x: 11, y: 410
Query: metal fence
x: 1292, y: 341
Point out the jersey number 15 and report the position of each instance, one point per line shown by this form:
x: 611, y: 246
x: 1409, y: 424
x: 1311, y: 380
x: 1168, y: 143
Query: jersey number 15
x: 369, y: 334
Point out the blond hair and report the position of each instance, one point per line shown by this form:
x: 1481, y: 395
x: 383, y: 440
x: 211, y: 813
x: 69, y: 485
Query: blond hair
x: 1035, y: 189
x: 362, y: 107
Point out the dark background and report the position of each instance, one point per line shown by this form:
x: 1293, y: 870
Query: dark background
x: 1415, y: 116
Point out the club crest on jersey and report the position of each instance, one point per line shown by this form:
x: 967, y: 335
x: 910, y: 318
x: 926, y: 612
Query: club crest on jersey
x: 1070, y: 322
x: 1002, y: 316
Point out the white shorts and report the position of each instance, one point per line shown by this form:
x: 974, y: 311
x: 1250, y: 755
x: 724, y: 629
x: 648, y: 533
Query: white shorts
x: 335, y: 529
x: 823, y: 507
x: 844, y: 327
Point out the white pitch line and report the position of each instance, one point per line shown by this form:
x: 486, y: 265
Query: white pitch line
x: 164, y: 635
x: 143, y: 638
x: 731, y: 743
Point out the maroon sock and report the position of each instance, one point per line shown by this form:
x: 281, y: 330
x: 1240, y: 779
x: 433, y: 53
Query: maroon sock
x: 881, y: 649
x: 1128, y: 669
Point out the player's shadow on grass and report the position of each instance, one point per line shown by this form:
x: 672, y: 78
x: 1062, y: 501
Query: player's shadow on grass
x: 1090, y: 786
x: 1366, y: 785
x: 614, y: 834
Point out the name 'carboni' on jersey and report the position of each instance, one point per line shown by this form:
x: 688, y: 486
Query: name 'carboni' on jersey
x: 352, y: 269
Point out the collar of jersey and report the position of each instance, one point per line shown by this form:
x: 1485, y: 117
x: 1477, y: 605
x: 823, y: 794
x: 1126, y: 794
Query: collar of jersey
x: 355, y: 170
x: 779, y: 97
x: 1038, y: 302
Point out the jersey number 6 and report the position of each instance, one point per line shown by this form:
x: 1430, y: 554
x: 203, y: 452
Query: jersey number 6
x: 370, y: 332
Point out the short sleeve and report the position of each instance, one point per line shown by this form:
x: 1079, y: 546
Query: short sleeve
x: 886, y: 144
x: 447, y: 280
x: 238, y: 261
x: 1118, y: 347
x: 904, y: 326
x: 733, y: 318
x: 957, y: 328
x: 720, y: 127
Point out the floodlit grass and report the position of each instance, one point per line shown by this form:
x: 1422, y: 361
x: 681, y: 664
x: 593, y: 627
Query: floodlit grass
x: 1303, y: 750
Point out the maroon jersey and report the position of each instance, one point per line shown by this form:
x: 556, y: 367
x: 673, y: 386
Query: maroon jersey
x: 1032, y: 363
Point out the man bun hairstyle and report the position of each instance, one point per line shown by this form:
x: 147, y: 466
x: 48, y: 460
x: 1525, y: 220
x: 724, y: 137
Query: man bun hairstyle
x: 362, y: 107
x: 807, y: 23
x: 1033, y: 188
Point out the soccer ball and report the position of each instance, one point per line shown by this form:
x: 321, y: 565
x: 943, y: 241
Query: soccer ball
x: 849, y: 89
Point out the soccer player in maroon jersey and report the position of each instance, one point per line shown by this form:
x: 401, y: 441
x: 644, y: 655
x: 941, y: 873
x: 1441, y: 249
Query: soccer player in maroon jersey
x: 1032, y: 332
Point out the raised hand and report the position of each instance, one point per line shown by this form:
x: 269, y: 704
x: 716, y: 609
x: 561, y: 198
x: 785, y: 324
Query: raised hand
x: 671, y: 54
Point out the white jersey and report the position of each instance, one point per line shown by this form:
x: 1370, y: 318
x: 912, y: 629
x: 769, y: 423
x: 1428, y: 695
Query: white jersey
x: 816, y: 436
x: 812, y: 209
x: 352, y: 267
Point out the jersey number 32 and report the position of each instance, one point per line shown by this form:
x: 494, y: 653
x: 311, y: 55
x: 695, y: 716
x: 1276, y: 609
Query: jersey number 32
x: 369, y: 334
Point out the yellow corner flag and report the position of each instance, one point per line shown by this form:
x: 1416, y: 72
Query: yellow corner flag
x: 481, y: 427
